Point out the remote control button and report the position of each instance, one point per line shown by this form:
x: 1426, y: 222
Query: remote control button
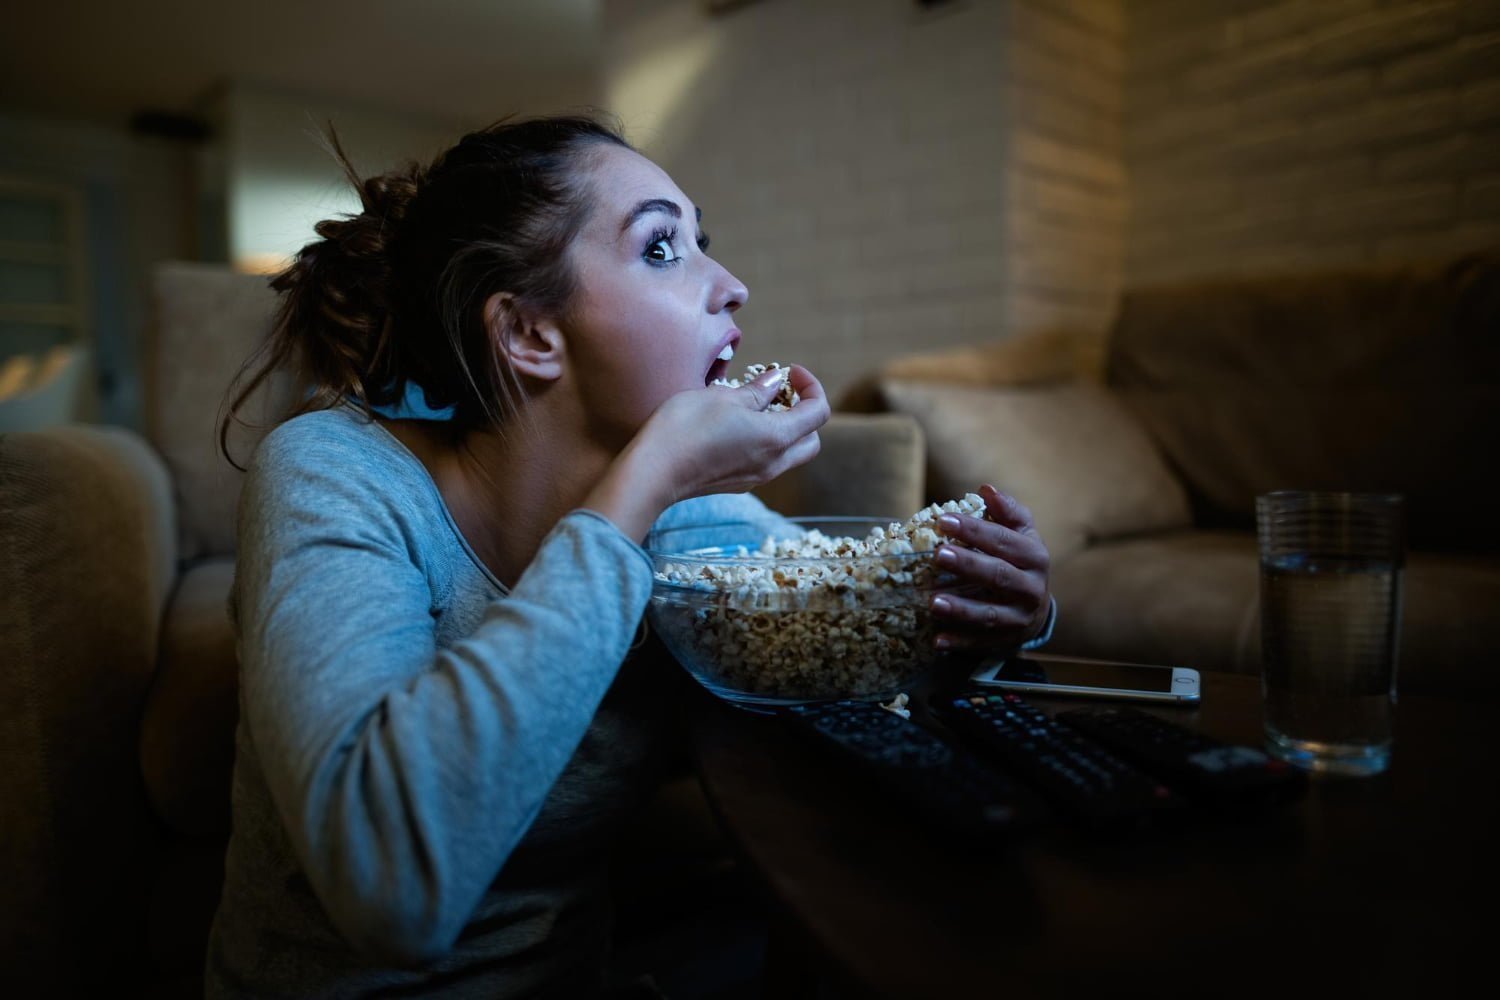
x: 1084, y: 778
x: 929, y: 776
x: 1205, y: 768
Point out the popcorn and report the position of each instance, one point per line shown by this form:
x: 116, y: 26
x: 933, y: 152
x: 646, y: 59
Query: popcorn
x: 786, y: 397
x: 812, y: 616
x: 898, y: 706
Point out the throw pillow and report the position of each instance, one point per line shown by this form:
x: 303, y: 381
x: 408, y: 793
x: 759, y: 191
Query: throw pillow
x: 1068, y: 451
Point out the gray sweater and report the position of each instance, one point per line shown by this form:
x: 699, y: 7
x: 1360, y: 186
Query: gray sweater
x: 429, y: 768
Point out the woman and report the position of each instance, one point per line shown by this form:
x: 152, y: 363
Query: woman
x: 436, y: 738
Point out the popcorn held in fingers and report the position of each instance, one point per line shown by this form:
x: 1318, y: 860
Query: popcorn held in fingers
x: 814, y: 616
x: 786, y: 396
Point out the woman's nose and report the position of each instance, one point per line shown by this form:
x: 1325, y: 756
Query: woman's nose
x: 731, y: 292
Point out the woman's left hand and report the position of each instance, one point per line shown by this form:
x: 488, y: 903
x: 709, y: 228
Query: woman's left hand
x: 1007, y: 563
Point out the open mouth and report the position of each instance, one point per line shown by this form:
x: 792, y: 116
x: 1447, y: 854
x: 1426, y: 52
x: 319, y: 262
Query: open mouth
x: 720, y: 367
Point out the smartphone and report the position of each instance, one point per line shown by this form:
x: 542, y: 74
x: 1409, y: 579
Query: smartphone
x: 1044, y: 673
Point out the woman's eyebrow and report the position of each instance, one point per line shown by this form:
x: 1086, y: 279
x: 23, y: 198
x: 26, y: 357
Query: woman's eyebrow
x: 650, y: 205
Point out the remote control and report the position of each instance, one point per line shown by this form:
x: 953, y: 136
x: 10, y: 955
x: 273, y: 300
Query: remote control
x: 1088, y: 781
x: 1203, y: 768
x: 923, y: 772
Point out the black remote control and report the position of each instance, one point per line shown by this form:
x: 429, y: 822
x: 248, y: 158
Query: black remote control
x: 1088, y: 781
x: 924, y: 772
x: 1201, y: 767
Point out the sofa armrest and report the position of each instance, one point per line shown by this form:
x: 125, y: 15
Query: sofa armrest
x: 870, y: 465
x: 1068, y: 450
x: 87, y: 558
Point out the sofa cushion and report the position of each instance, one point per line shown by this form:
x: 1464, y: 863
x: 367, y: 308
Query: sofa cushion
x: 187, y: 731
x: 1450, y: 627
x: 1192, y: 599
x: 1187, y: 598
x: 1067, y: 450
x: 208, y: 322
x: 1385, y: 380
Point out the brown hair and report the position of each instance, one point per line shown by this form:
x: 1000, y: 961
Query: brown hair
x: 395, y: 294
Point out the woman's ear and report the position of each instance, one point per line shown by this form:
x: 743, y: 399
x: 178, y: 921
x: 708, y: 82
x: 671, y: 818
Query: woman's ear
x: 531, y: 341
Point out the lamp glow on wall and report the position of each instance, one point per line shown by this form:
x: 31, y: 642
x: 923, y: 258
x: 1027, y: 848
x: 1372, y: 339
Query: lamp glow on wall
x: 272, y: 217
x: 281, y: 179
x: 649, y: 88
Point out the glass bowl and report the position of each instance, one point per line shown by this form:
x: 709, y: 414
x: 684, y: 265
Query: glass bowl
x: 773, y: 629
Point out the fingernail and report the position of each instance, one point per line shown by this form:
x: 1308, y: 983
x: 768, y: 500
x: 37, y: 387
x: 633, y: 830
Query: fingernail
x: 947, y: 557
x: 949, y: 522
x: 941, y: 604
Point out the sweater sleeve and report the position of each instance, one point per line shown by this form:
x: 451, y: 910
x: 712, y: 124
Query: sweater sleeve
x: 722, y: 507
x: 405, y: 775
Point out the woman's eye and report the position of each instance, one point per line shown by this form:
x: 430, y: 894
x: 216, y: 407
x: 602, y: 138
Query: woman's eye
x: 662, y: 248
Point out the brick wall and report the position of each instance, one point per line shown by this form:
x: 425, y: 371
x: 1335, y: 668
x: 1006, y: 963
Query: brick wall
x: 887, y: 179
x: 1281, y: 134
x: 1065, y: 183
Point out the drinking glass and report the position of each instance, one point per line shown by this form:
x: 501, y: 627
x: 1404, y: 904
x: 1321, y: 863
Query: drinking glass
x: 1330, y: 592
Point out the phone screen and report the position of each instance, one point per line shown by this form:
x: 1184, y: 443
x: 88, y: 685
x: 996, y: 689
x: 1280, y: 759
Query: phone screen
x: 1077, y: 673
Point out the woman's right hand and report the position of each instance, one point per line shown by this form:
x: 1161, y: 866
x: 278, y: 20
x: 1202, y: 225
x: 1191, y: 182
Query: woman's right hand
x: 711, y: 440
x: 719, y: 440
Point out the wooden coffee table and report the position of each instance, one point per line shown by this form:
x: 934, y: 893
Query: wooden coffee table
x: 1360, y: 887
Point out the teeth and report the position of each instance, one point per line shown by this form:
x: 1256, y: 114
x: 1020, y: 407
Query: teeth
x: 727, y: 354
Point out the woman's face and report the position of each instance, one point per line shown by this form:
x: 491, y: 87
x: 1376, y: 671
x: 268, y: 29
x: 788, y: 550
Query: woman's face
x: 653, y: 312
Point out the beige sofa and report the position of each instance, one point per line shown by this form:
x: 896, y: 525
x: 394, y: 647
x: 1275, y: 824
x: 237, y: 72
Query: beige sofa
x: 1141, y: 457
x: 117, y: 672
x: 117, y: 664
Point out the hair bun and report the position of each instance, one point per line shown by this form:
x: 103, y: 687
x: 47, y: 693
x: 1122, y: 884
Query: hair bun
x: 339, y: 289
x: 384, y: 201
